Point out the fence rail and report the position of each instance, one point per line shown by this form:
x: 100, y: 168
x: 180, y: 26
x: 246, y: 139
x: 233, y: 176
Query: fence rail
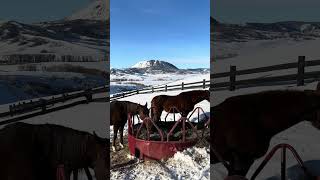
x: 299, y: 78
x: 43, y: 104
x: 182, y: 86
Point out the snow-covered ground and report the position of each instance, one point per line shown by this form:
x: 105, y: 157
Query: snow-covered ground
x: 129, y: 82
x: 192, y: 163
x: 262, y: 53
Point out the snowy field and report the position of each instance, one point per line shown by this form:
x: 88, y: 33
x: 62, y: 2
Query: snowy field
x: 262, y: 53
x: 192, y: 163
x: 134, y: 81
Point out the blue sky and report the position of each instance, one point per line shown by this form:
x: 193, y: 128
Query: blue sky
x: 39, y: 10
x: 232, y: 11
x: 176, y: 31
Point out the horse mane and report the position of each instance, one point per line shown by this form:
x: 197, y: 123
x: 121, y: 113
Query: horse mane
x: 69, y: 145
x: 196, y: 95
x: 310, y: 98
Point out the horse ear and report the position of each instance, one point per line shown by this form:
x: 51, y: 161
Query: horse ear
x: 146, y: 104
x: 94, y: 134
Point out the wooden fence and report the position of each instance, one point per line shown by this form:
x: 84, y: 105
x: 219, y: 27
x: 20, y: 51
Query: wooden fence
x: 183, y: 86
x: 43, y: 104
x: 299, y: 78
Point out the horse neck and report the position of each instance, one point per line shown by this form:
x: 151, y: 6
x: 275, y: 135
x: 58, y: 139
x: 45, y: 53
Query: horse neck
x: 132, y: 108
x: 305, y: 108
x: 196, y: 99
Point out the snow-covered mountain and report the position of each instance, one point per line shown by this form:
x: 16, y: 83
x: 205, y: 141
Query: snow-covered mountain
x: 155, y: 67
x: 296, y: 30
x: 97, y: 10
x: 155, y: 64
x: 80, y: 37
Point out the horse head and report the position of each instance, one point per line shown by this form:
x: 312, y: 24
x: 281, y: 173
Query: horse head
x: 98, y: 157
x: 143, y: 111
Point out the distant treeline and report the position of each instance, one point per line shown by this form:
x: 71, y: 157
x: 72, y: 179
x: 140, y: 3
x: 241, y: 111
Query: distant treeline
x: 38, y: 58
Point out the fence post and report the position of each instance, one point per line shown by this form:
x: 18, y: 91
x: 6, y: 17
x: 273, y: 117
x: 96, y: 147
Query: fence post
x: 300, y: 75
x: 182, y: 86
x: 11, y: 110
x: 204, y: 84
x: 166, y: 88
x: 88, y: 95
x: 123, y: 94
x: 233, y: 70
x: 43, y: 105
x: 152, y: 89
x: 137, y: 91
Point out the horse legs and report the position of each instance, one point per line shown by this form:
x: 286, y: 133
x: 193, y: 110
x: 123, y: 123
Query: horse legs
x: 115, y: 132
x: 67, y: 173
x: 240, y: 164
x: 121, y: 136
x: 75, y: 174
x: 88, y: 173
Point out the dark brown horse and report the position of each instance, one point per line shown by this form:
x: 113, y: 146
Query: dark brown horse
x: 242, y: 126
x: 119, y: 115
x: 184, y: 102
x: 33, y: 152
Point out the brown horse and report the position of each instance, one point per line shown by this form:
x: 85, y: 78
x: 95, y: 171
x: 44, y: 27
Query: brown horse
x: 33, y: 152
x: 242, y: 126
x: 184, y: 102
x: 119, y: 115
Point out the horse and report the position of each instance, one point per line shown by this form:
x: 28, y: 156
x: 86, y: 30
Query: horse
x: 242, y: 126
x: 33, y: 152
x: 119, y: 114
x: 184, y: 102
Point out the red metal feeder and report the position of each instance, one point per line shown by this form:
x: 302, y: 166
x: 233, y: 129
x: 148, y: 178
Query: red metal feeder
x: 161, y: 143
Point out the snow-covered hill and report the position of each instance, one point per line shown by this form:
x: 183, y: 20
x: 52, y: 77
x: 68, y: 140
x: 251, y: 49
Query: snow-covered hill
x: 97, y: 10
x: 83, y: 36
x: 155, y: 64
x: 263, y: 31
x: 233, y: 41
x: 31, y: 55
